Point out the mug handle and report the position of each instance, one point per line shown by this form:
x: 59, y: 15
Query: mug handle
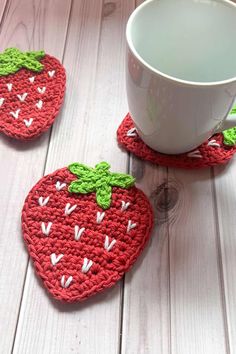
x: 230, y: 120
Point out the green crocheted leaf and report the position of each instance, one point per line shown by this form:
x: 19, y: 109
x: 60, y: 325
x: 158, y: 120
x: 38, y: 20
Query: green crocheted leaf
x: 103, y: 196
x: 82, y: 187
x: 12, y: 60
x: 233, y: 110
x: 121, y: 180
x: 79, y: 169
x: 102, y: 166
x: 99, y: 180
x: 230, y: 136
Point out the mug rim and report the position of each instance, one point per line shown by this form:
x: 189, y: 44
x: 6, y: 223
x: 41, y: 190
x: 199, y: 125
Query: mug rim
x: 159, y: 72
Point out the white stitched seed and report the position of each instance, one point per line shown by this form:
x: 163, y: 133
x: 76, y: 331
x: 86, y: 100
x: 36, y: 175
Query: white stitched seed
x: 31, y: 79
x: 46, y: 229
x: 60, y: 185
x: 100, y: 217
x: 195, y: 154
x: 55, y: 259
x: 1, y: 101
x: 132, y: 132
x: 124, y: 205
x: 28, y: 122
x: 22, y: 97
x: 43, y: 201
x: 15, y: 114
x: 109, y: 245
x: 86, y: 265
x: 9, y: 87
x: 51, y: 73
x: 69, y: 208
x: 39, y: 104
x: 78, y: 232
x: 213, y: 143
x: 130, y: 226
x: 66, y: 283
x: 41, y: 90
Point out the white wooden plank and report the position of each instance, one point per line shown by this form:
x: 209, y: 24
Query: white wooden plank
x: 95, y: 105
x: 146, y: 314
x: 2, y: 9
x: 33, y: 24
x: 193, y: 304
x: 146, y: 318
x: 197, y: 314
x: 226, y: 206
x: 139, y: 2
x: 22, y: 163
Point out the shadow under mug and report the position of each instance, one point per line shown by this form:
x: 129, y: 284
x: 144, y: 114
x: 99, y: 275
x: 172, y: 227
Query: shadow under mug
x: 181, y: 71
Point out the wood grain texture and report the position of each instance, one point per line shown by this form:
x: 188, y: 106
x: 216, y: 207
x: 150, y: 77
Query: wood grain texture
x: 146, y: 320
x: 2, y: 8
x: 95, y: 104
x: 174, y: 302
x: 225, y: 211
x: 197, y: 312
x: 139, y: 2
x: 22, y: 163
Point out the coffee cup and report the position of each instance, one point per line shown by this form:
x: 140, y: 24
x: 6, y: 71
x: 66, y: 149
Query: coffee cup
x: 181, y: 71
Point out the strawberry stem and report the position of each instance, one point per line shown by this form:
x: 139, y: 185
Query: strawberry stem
x: 99, y: 180
x: 12, y: 60
x: 230, y: 136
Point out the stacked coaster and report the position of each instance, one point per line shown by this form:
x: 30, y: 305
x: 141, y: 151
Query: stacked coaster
x: 84, y: 228
x: 32, y: 86
x: 219, y: 149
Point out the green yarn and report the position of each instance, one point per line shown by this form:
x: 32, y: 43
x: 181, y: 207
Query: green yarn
x: 233, y: 111
x: 230, y: 136
x: 12, y: 60
x: 99, y: 180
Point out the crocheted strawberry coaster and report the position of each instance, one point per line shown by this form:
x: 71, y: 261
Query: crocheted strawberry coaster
x: 32, y: 86
x: 217, y: 150
x: 84, y: 228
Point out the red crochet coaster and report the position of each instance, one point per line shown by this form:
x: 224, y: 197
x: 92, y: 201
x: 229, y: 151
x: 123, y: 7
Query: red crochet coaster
x: 84, y: 228
x: 32, y: 87
x: 211, y: 153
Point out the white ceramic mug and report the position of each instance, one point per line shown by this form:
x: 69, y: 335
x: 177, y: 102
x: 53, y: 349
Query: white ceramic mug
x: 181, y: 71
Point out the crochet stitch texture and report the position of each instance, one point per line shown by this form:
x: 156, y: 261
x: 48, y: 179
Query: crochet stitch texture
x: 99, y: 180
x: 211, y: 153
x: 77, y: 247
x: 31, y: 93
x: 12, y: 60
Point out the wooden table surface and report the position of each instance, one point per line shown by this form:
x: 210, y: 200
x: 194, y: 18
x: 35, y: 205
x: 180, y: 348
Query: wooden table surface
x: 180, y: 297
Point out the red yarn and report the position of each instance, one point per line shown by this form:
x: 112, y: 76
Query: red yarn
x: 43, y: 88
x: 210, y: 155
x: 108, y: 265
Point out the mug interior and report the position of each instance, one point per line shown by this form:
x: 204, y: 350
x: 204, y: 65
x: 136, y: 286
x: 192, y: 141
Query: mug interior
x: 191, y: 40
